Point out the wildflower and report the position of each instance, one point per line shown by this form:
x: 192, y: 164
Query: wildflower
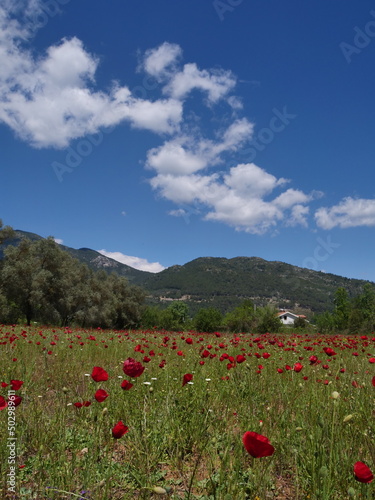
x: 16, y: 384
x: 188, y: 377
x: 257, y: 445
x: 133, y: 368
x: 362, y: 473
x: 329, y: 351
x: 126, y: 385
x: 3, y: 403
x: 298, y: 367
x: 101, y: 395
x: 99, y: 374
x: 119, y: 430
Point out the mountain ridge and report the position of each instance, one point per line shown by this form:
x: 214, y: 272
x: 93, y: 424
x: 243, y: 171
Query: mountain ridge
x: 223, y: 282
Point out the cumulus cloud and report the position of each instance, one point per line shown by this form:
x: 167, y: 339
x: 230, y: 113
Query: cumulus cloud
x: 350, y: 212
x: 186, y: 154
x: 135, y: 262
x: 58, y: 241
x: 158, y: 62
x: 51, y: 99
x: 241, y: 198
x: 216, y: 83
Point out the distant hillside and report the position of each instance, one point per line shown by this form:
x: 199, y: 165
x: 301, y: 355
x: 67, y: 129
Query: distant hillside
x: 224, y: 283
x: 92, y: 258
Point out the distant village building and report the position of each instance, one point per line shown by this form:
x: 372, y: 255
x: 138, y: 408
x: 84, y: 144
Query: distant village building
x: 288, y: 318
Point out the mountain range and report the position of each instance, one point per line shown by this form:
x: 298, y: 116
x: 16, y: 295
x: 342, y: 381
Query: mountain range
x: 224, y: 283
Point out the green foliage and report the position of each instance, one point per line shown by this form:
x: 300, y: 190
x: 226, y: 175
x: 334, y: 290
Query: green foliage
x: 42, y: 282
x: 151, y: 317
x: 300, y: 323
x: 267, y: 320
x: 354, y: 315
x: 208, y: 320
x: 241, y: 319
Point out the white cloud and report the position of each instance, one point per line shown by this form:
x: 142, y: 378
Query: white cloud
x: 159, y: 60
x: 58, y: 241
x: 50, y: 99
x: 249, y: 180
x: 240, y: 198
x: 217, y: 83
x: 350, y: 212
x: 135, y: 262
x: 185, y: 155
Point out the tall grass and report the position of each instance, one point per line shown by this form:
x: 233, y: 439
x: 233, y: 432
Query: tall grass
x: 185, y: 442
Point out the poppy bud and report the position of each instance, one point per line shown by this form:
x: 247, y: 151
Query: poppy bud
x: 335, y: 395
x: 351, y: 492
x: 347, y: 418
x: 158, y: 490
x: 65, y: 390
x: 323, y: 472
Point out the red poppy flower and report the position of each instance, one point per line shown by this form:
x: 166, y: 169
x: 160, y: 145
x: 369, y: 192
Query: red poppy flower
x: 205, y: 354
x: 80, y: 405
x: 3, y: 403
x: 15, y: 399
x: 4, y: 384
x: 371, y: 360
x: 189, y: 340
x: 99, y: 374
x: 126, y: 385
x: 133, y: 368
x: 257, y: 445
x: 373, y: 381
x: 362, y: 473
x: 101, y: 395
x: 329, y: 351
x: 16, y: 384
x: 188, y: 377
x: 298, y: 367
x: 313, y: 360
x: 240, y: 358
x: 119, y: 430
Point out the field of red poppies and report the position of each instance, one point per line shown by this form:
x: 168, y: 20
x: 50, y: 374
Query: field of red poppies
x: 100, y: 415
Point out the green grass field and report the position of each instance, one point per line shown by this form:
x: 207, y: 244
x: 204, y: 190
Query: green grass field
x: 184, y: 441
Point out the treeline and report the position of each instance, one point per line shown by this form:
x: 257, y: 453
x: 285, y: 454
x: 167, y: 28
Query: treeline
x: 354, y: 315
x: 41, y: 282
x: 244, y: 318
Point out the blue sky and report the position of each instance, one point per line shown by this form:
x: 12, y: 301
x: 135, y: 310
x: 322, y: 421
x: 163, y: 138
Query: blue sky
x: 159, y: 132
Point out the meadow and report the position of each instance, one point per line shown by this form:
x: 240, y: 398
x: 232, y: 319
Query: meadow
x: 98, y: 415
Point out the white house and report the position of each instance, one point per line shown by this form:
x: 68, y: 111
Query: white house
x: 288, y: 318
